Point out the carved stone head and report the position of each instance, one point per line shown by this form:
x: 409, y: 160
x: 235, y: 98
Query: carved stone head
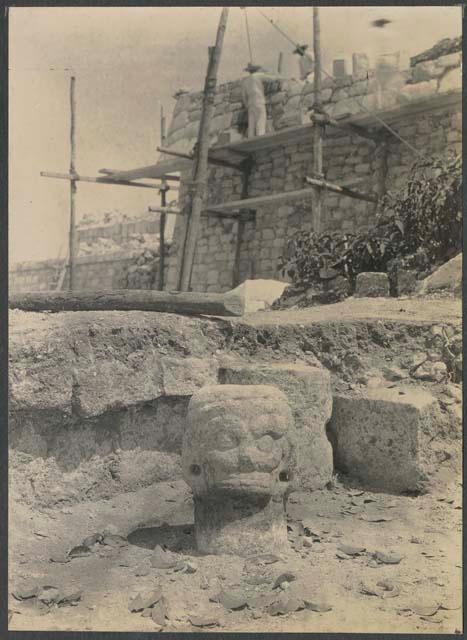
x: 238, y: 441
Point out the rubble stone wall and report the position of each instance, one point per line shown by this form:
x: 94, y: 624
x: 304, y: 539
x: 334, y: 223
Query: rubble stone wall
x: 92, y: 273
x: 422, y: 104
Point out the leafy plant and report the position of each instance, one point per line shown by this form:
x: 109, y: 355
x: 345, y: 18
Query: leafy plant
x: 417, y: 227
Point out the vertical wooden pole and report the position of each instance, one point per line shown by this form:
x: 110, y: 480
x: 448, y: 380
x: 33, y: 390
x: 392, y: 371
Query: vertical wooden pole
x: 317, y: 129
x: 247, y: 166
x: 72, y: 235
x: 200, y: 162
x: 381, y: 167
x: 162, y: 220
x: 279, y: 62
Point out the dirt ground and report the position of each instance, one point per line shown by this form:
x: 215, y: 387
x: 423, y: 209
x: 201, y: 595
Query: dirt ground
x: 423, y: 531
x: 436, y: 308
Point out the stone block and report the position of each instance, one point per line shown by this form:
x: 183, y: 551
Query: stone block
x: 381, y: 437
x: 259, y: 294
x: 268, y: 234
x: 447, y: 277
x: 308, y: 390
x: 213, y: 276
x: 450, y: 60
x: 278, y: 98
x: 372, y: 285
x: 451, y: 81
x: 339, y: 68
x: 406, y: 282
x: 362, y: 168
x: 345, y: 107
x: 360, y: 65
x: 424, y: 71
x: 358, y: 88
x: 417, y: 91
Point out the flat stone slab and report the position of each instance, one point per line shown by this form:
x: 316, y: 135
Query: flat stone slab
x: 308, y: 391
x: 259, y: 294
x: 382, y: 437
x: 372, y: 285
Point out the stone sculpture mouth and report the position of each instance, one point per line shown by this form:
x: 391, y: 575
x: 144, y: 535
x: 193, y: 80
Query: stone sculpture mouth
x: 254, y: 482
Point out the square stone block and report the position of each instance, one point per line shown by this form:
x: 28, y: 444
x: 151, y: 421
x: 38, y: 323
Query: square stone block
x: 381, y: 438
x: 372, y: 285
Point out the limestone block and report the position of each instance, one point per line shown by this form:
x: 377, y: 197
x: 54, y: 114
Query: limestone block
x: 407, y: 282
x: 451, y: 81
x: 372, y: 285
x: 424, y: 71
x: 454, y: 136
x: 362, y: 168
x: 179, y: 121
x: 194, y: 116
x: 186, y: 101
x: 259, y: 294
x: 238, y: 459
x: 450, y: 60
x: 360, y: 65
x: 293, y: 103
x: 456, y: 121
x: 213, y: 276
x: 339, y: 68
x: 221, y: 122
x: 293, y: 88
x: 410, y: 92
x: 308, y: 390
x: 381, y: 437
x: 278, y: 98
x: 358, y: 88
x: 345, y: 107
x: 447, y: 277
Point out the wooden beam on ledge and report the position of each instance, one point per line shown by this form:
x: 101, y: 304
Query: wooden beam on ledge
x: 113, y: 173
x: 244, y: 215
x: 78, y: 178
x: 344, y: 191
x: 211, y: 160
x: 258, y: 201
x: 322, y: 119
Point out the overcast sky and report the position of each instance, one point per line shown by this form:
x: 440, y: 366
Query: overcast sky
x: 129, y: 61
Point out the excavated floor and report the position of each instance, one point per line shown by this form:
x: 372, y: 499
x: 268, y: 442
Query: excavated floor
x: 80, y: 462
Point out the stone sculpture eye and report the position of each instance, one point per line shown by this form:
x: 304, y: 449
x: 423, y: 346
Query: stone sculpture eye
x: 195, y: 469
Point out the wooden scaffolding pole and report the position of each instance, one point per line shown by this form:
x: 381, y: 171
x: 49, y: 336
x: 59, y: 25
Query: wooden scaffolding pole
x: 111, y: 181
x: 318, y: 128
x: 200, y: 169
x: 342, y: 190
x: 72, y: 232
x: 162, y: 220
x: 247, y: 166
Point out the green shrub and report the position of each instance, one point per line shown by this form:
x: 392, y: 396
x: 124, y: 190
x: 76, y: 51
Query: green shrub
x: 418, y: 227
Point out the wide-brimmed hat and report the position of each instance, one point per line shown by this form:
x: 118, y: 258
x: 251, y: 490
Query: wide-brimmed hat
x: 251, y: 68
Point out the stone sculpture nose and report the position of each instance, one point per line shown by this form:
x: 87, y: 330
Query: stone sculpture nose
x: 253, y: 458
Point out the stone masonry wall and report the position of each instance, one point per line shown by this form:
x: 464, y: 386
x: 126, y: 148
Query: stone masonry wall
x: 435, y: 128
x: 92, y: 273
